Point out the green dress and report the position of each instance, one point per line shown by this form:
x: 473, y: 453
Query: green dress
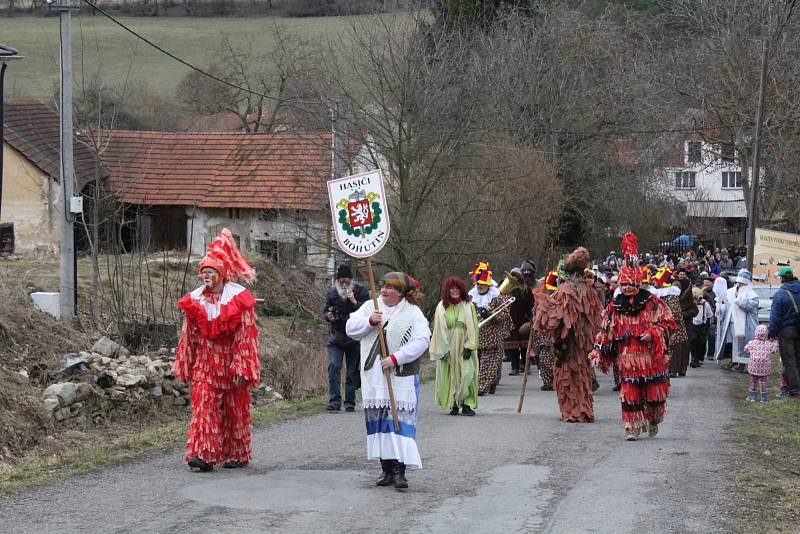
x: 454, y: 329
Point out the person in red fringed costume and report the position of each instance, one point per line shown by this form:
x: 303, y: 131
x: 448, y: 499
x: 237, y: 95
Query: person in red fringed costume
x: 570, y: 316
x: 218, y: 354
x: 633, y: 334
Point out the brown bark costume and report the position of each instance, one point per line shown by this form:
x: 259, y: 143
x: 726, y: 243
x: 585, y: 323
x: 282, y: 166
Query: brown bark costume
x: 571, y: 316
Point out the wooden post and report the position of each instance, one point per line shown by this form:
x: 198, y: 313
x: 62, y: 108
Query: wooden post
x: 527, y: 366
x: 530, y: 339
x: 384, y: 351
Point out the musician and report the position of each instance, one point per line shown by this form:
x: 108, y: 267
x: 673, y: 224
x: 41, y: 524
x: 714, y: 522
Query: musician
x: 488, y: 301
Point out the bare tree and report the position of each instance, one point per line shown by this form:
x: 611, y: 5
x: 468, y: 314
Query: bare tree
x: 713, y: 67
x: 458, y: 188
x: 260, y: 81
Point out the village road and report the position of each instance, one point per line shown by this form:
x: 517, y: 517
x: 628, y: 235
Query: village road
x: 496, y: 472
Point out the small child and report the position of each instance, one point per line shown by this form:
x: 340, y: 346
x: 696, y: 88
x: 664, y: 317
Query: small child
x: 760, y: 364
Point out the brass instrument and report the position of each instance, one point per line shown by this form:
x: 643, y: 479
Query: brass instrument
x: 502, y: 307
x: 509, y: 284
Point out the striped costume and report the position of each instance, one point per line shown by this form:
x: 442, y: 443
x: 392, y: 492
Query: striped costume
x: 643, y: 366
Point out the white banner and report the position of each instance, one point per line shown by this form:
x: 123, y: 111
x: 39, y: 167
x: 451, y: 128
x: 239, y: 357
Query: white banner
x: 360, y: 215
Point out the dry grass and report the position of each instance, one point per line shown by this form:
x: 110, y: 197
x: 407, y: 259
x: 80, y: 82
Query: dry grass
x: 767, y: 468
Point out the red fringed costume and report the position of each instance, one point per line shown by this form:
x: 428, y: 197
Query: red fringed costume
x: 218, y: 347
x: 570, y: 316
x: 643, y: 365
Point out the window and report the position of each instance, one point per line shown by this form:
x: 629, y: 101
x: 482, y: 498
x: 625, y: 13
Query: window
x: 268, y: 248
x: 6, y: 239
x: 685, y: 180
x: 727, y: 153
x: 268, y: 214
x: 731, y: 180
x: 694, y: 152
x: 234, y: 213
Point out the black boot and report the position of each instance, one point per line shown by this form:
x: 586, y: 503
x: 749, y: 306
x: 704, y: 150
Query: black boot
x: 454, y: 410
x: 400, y: 481
x: 388, y: 473
x: 466, y: 410
x: 200, y: 464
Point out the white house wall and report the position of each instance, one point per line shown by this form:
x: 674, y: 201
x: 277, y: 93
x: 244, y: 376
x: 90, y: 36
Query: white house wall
x: 30, y: 201
x: 208, y: 222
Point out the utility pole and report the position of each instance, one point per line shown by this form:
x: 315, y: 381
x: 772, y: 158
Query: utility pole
x: 337, y: 168
x: 68, y: 283
x: 754, y: 183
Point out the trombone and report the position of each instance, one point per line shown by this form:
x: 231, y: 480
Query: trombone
x: 502, y: 307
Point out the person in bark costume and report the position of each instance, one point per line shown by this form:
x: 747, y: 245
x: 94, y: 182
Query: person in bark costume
x: 454, y: 348
x: 218, y: 354
x: 487, y: 299
x: 570, y: 317
x: 633, y: 334
x: 407, y: 334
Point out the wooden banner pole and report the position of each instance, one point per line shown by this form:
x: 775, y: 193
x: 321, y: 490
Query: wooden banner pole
x: 384, y: 351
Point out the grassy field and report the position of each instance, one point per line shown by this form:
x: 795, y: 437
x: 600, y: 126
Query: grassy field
x: 100, y: 44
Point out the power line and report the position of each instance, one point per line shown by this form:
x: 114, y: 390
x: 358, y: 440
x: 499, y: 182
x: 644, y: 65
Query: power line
x: 598, y: 132
x: 191, y: 66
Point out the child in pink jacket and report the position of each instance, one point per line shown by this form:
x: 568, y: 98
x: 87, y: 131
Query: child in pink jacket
x: 760, y: 364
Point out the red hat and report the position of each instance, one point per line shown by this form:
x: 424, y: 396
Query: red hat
x: 225, y: 257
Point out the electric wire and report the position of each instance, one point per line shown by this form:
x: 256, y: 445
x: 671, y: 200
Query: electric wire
x: 592, y: 133
x: 190, y: 65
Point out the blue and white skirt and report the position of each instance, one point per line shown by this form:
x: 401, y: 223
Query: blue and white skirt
x: 384, y: 443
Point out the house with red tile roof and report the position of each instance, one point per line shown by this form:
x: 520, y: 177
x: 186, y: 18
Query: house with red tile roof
x: 31, y: 203
x: 267, y: 188
x: 177, y: 190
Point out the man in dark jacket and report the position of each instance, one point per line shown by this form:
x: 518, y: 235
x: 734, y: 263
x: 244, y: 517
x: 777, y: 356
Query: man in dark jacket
x: 783, y: 326
x: 343, y: 298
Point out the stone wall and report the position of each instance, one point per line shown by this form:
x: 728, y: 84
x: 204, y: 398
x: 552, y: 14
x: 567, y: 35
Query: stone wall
x: 109, y: 379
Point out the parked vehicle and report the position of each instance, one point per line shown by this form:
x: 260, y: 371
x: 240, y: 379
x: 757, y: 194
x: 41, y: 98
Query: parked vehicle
x: 765, y: 294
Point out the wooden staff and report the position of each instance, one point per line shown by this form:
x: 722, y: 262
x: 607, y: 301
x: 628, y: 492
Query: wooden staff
x: 384, y: 351
x: 530, y: 340
x: 527, y: 361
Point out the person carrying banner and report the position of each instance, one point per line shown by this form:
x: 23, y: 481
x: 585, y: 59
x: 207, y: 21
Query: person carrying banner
x: 407, y: 337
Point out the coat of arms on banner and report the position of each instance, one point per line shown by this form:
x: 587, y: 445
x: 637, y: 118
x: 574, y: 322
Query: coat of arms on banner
x: 358, y: 210
x: 360, y: 213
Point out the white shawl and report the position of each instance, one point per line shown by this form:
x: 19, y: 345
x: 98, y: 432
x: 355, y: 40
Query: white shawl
x: 407, y: 337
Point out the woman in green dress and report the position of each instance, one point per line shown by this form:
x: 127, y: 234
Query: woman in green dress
x: 454, y: 347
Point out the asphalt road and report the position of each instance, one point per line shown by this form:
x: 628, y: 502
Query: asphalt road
x: 496, y: 472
